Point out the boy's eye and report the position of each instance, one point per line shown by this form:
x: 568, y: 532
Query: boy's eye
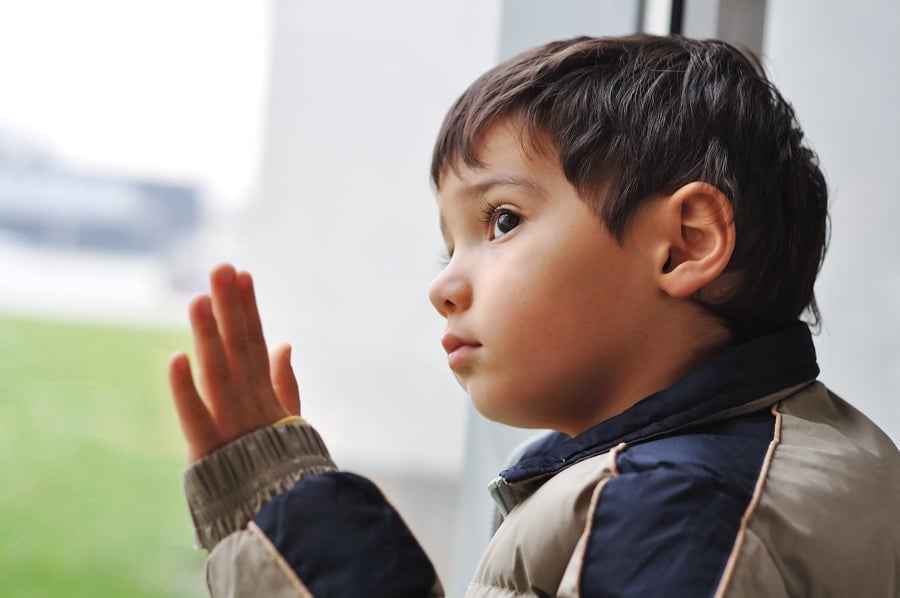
x: 502, y: 222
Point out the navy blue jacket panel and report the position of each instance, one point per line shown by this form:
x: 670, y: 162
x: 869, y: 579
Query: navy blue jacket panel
x: 666, y: 524
x: 342, y: 537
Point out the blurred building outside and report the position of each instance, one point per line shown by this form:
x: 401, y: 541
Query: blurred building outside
x: 102, y: 241
x: 45, y: 203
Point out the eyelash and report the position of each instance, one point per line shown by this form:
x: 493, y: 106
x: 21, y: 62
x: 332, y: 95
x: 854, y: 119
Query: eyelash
x: 486, y: 218
x: 488, y: 213
x: 488, y: 210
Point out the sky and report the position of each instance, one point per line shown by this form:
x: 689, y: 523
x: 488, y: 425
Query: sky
x: 108, y: 85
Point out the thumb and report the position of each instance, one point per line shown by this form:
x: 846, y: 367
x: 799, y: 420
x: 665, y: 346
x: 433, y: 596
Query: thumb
x: 283, y: 380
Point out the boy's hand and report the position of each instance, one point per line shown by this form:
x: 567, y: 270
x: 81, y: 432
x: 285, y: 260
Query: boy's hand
x: 239, y: 390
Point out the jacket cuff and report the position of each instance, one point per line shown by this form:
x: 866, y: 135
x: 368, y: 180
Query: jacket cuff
x: 228, y: 487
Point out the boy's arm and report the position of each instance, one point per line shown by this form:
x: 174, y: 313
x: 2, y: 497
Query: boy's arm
x: 279, y: 519
x: 266, y: 499
x: 227, y: 488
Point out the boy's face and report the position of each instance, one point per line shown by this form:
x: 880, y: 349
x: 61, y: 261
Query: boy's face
x: 545, y: 310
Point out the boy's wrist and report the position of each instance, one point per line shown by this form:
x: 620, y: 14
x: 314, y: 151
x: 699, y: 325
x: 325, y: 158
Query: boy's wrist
x: 226, y: 488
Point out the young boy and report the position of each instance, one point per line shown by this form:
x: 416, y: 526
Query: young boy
x: 634, y: 227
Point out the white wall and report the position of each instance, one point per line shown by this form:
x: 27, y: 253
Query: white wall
x: 836, y: 62
x: 344, y: 233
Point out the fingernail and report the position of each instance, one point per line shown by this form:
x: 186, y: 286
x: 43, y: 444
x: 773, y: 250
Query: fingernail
x: 244, y: 281
x: 226, y: 276
x: 205, y: 306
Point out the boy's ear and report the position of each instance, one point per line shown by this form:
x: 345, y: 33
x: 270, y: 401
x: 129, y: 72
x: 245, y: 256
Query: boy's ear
x: 698, y: 236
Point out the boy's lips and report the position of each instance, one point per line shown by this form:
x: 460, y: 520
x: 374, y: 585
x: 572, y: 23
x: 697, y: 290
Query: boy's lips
x: 451, y: 342
x: 458, y: 349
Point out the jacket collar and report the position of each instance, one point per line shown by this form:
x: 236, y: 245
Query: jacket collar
x: 737, y: 378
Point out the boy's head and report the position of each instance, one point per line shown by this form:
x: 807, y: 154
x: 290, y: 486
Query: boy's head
x: 629, y: 119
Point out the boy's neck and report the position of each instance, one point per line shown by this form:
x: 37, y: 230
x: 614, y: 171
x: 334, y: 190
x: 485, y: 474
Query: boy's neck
x: 669, y: 348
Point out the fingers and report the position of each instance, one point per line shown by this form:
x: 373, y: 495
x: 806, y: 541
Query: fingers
x: 196, y: 423
x: 283, y: 379
x: 215, y: 371
x: 229, y: 316
x: 239, y: 392
x: 255, y: 338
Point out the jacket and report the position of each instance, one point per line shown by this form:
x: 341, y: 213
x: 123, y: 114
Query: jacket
x: 747, y: 477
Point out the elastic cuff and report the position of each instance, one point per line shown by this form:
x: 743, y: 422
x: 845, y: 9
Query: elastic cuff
x: 228, y: 487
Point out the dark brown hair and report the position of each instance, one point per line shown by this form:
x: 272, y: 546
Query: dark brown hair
x: 637, y: 116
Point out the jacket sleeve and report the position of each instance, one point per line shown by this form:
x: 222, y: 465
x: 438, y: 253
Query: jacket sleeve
x: 279, y: 519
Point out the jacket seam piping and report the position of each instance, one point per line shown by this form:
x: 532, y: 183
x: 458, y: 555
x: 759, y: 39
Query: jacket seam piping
x: 282, y: 564
x: 592, y: 509
x: 731, y: 565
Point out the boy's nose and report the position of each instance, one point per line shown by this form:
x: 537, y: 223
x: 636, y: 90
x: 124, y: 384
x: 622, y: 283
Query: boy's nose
x: 450, y: 293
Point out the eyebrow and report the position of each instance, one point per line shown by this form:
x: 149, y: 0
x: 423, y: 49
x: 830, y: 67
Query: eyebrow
x: 503, y: 180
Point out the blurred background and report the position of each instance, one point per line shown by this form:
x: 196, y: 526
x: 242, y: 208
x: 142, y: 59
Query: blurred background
x: 142, y: 142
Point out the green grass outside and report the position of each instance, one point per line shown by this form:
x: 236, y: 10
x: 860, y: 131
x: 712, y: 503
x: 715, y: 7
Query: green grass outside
x: 91, y: 458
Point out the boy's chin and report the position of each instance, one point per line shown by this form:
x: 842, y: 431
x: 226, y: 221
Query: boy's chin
x: 487, y: 408
x: 508, y: 413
